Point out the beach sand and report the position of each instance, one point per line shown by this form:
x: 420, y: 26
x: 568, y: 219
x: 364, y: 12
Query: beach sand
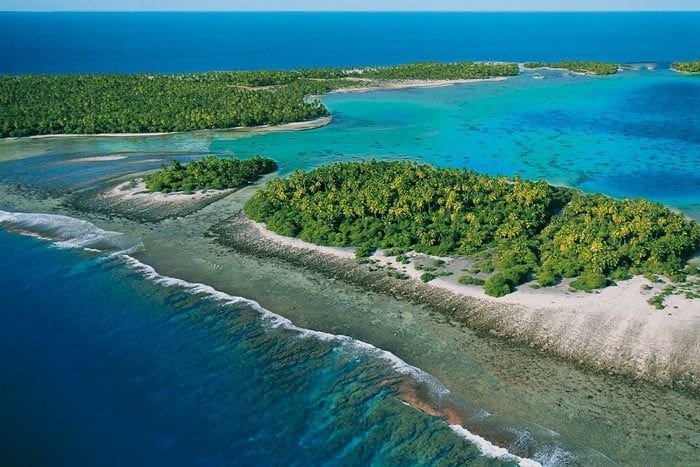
x: 482, y: 372
x: 114, y: 157
x: 293, y: 126
x: 131, y: 200
x: 614, y: 327
x: 137, y: 191
x: 374, y: 85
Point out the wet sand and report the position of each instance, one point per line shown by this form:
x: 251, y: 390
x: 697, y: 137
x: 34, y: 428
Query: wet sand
x: 374, y: 85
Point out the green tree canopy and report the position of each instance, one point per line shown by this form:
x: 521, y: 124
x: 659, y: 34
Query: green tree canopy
x: 209, y: 173
x: 524, y: 227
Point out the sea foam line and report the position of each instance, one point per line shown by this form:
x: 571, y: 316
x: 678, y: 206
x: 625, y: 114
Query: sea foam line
x: 65, y: 232
x: 486, y: 448
x: 68, y: 232
x: 278, y: 321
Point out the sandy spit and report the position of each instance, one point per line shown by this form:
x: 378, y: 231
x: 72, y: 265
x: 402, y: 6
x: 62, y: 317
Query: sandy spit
x: 374, y: 85
x: 293, y: 126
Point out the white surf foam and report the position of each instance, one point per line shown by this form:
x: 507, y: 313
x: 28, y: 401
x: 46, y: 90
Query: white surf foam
x: 487, y: 448
x: 491, y: 450
x: 66, y: 232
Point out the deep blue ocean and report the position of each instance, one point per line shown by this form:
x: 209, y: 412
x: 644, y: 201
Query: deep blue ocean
x: 103, y: 366
x: 156, y: 42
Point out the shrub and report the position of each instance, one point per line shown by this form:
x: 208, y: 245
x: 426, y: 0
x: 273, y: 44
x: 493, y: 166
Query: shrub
x: 209, y: 173
x: 620, y: 275
x: 397, y: 275
x: 516, y: 275
x: 516, y: 225
x: 470, y: 280
x: 365, y: 250
x: 547, y: 278
x: 596, y: 68
x: 505, y: 282
x: 687, y: 67
x: 497, y: 286
x: 427, y: 277
x: 485, y: 266
x: 589, y: 281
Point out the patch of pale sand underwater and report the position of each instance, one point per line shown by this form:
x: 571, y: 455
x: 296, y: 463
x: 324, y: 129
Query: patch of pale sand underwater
x: 114, y: 157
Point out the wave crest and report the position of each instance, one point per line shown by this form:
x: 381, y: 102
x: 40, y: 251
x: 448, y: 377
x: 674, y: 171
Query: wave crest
x: 487, y: 448
x: 68, y: 232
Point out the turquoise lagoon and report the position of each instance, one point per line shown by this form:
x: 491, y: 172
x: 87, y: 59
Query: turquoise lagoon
x: 636, y: 134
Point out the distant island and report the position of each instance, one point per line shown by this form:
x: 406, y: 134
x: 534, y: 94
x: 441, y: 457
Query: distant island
x: 151, y: 103
x: 687, y: 67
x: 514, y: 230
x: 209, y: 173
x: 591, y: 68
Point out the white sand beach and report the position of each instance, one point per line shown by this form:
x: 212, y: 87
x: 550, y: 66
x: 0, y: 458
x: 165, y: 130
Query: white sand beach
x: 615, y: 324
x: 373, y: 85
x: 137, y: 192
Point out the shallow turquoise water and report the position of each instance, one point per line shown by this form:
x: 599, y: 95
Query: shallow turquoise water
x: 102, y: 367
x: 636, y: 134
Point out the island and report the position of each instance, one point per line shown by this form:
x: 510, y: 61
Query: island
x: 152, y: 103
x: 513, y: 230
x: 402, y: 255
x: 209, y: 173
x: 582, y: 67
x: 174, y: 191
x: 687, y: 67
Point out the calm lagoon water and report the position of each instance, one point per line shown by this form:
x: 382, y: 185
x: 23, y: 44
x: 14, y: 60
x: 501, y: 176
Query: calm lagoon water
x: 636, y: 134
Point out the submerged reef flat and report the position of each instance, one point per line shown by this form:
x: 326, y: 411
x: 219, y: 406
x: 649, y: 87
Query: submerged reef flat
x: 634, y: 345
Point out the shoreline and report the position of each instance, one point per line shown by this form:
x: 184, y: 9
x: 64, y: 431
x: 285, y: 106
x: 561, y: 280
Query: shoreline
x: 562, y: 70
x: 566, y: 70
x: 687, y: 73
x: 131, y: 200
x: 377, y: 85
x: 411, y: 380
x: 416, y: 379
x: 514, y: 383
x: 290, y: 126
x: 599, y: 331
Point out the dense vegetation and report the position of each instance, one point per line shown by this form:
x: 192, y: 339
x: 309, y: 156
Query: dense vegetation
x: 687, y: 67
x: 595, y: 68
x: 145, y: 103
x: 209, y: 173
x: 434, y: 70
x: 31, y: 105
x: 518, y: 227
